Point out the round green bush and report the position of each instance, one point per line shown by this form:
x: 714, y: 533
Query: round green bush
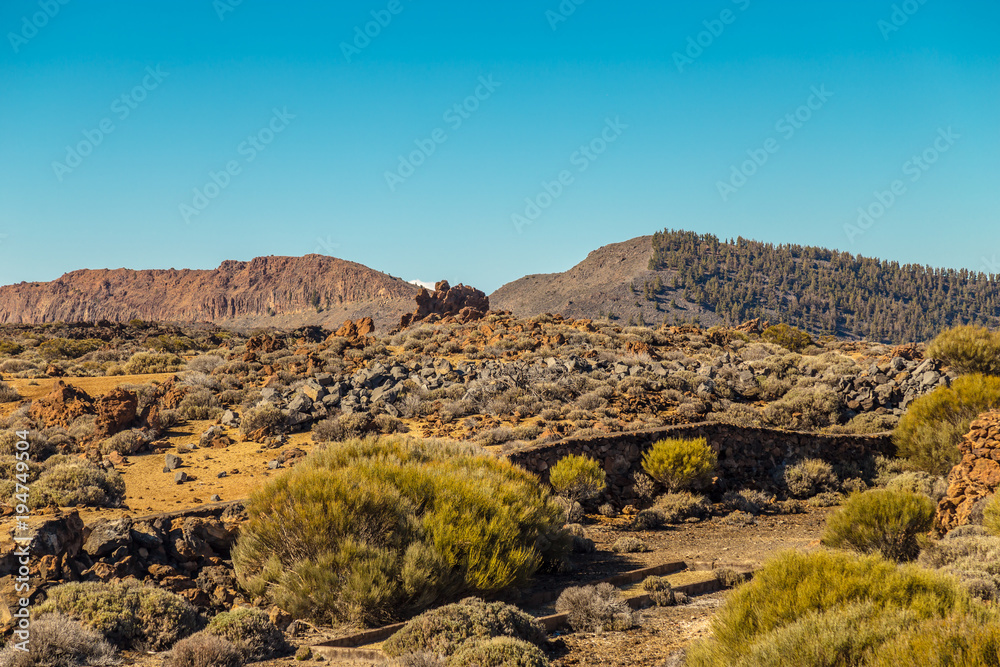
x: 680, y: 464
x: 373, y: 530
x: 968, y: 349
x: 128, y: 614
x: 787, y: 337
x: 577, y: 477
x: 929, y: 432
x: 881, y: 521
x: 810, y: 477
x: 499, y: 652
x: 252, y: 631
x: 443, y: 630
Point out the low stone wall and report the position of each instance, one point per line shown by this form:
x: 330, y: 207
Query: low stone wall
x: 748, y: 457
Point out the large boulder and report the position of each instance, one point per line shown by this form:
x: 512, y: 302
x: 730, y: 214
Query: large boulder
x: 976, y: 476
x: 62, y: 405
x: 116, y: 411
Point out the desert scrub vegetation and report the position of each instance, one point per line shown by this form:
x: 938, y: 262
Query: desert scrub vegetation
x: 8, y: 394
x: 577, y: 477
x: 371, y: 530
x: 60, y: 641
x: 143, y: 363
x: 443, y: 631
x: 498, y: 652
x: 788, y: 337
x: 205, y: 650
x: 882, y: 521
x: 264, y: 418
x: 805, y: 408
x: 969, y: 553
x: 968, y: 349
x: 680, y: 464
x: 251, y: 631
x: 809, y: 477
x: 73, y: 482
x: 929, y: 433
x: 826, y: 608
x: 597, y: 608
x: 127, y: 614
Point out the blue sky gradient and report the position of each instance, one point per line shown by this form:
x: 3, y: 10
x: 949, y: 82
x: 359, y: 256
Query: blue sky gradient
x: 296, y: 127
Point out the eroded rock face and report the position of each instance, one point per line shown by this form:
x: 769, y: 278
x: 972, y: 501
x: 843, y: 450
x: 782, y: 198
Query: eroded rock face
x: 62, y: 405
x: 463, y: 303
x: 976, y: 476
x: 116, y: 411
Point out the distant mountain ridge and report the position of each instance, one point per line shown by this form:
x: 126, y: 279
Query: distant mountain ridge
x: 677, y: 276
x: 275, y: 291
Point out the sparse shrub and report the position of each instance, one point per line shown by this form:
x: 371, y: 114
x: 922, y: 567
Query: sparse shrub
x: 788, y: 337
x: 369, y: 530
x: 968, y: 349
x: 387, y: 424
x: 809, y: 477
x: 643, y: 485
x: 596, y: 609
x: 967, y: 639
x: 498, y: 652
x: 748, y: 500
x: 143, y: 363
x: 77, y: 483
x: 264, y: 418
x: 200, y: 403
x: 59, y: 641
x: 125, y: 443
x: 66, y: 348
x: 868, y: 423
x: 444, y: 630
x: 572, y: 511
x: 970, y: 554
x: 129, y: 615
x: 677, y: 507
x: 680, y: 464
x: 826, y: 499
x: 853, y: 485
x: 205, y: 363
x: 205, y: 650
x: 918, y: 481
x: 881, y: 521
x: 342, y: 427
x: 629, y: 545
x: 929, y: 432
x: 822, y: 608
x: 577, y: 477
x: 805, y: 408
x: 250, y: 630
x: 8, y: 394
x: 660, y: 591
x: 608, y: 510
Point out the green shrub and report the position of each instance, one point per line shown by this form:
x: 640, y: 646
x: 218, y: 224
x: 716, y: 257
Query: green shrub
x: 809, y: 477
x: 10, y: 348
x: 680, y: 464
x: 881, y: 521
x: 748, y: 500
x: 596, y: 609
x: 678, y: 507
x: 966, y: 640
x: 251, y: 631
x: 443, y: 630
x: 66, y: 348
x: 577, y: 477
x: 629, y: 545
x: 787, y: 337
x: 143, y: 363
x: 868, y: 423
x: 499, y: 652
x: 968, y: 349
x: 991, y: 515
x: 918, y: 481
x: 264, y: 418
x: 200, y: 403
x: 822, y: 608
x: 371, y: 530
x: 129, y: 615
x: 78, y: 483
x: 205, y: 650
x: 59, y: 641
x: 929, y: 432
x: 805, y: 408
x: 342, y: 427
x: 661, y: 593
x: 125, y: 443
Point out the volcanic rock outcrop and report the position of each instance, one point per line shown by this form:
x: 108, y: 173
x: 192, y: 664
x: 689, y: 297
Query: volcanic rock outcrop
x: 461, y: 302
x: 976, y: 476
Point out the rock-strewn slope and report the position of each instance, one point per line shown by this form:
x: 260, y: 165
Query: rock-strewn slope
x: 278, y: 291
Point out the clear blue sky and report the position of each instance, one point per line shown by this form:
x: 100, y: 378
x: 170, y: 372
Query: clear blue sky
x: 224, y: 79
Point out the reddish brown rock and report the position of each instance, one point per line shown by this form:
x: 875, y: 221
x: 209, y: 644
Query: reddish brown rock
x: 976, y: 476
x: 462, y: 303
x: 62, y: 405
x: 116, y: 411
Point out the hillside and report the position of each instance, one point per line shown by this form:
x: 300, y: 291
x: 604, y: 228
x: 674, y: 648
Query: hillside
x: 284, y: 292
x: 676, y: 276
